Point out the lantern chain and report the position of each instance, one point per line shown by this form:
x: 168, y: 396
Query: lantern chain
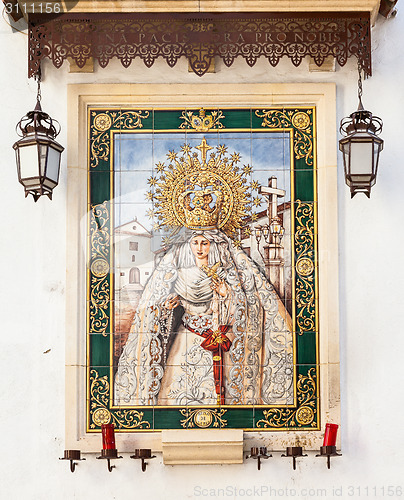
x: 38, y: 80
x: 360, y: 90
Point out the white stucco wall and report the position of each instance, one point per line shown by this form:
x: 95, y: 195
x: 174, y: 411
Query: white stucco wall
x: 32, y: 323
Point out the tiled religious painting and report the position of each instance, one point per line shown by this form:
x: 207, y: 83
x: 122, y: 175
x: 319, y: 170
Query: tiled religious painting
x: 202, y: 281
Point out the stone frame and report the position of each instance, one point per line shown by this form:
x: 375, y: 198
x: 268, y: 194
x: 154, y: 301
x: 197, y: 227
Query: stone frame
x: 80, y: 97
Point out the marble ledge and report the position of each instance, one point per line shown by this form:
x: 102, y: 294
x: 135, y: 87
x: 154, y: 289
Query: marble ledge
x: 202, y: 446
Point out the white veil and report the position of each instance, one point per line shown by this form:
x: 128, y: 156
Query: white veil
x: 260, y: 359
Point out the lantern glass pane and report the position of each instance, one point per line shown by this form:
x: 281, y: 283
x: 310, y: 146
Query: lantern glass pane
x: 378, y: 147
x: 344, y: 147
x: 53, y: 164
x: 43, y: 149
x: 361, y: 158
x: 29, y: 161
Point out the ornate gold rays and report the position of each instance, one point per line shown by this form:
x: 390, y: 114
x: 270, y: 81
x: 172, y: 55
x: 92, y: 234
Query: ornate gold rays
x: 201, y: 187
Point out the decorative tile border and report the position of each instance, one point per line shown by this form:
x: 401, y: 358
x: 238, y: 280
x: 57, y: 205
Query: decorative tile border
x: 300, y: 124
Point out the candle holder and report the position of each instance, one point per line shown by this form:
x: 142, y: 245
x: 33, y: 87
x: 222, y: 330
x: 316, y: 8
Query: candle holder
x: 294, y: 452
x: 72, y: 455
x: 109, y: 454
x: 142, y: 454
x: 328, y: 451
x: 258, y: 454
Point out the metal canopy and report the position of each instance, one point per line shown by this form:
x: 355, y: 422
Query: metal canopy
x: 199, y: 37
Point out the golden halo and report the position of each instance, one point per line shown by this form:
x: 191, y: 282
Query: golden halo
x: 199, y: 170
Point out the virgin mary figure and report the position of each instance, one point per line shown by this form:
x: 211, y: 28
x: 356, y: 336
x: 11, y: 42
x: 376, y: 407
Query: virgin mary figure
x: 209, y: 328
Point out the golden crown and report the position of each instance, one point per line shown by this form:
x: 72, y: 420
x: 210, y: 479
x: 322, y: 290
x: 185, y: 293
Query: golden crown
x: 200, y: 191
x: 198, y: 210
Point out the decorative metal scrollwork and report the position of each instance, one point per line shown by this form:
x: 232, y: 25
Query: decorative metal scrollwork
x: 199, y: 37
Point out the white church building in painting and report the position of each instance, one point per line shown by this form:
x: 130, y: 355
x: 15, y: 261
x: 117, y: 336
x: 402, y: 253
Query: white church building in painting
x: 133, y: 264
x: 133, y: 256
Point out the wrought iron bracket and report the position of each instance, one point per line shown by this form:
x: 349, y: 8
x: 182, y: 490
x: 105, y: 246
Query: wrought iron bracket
x: 73, y: 456
x: 108, y: 455
x: 143, y: 454
x: 200, y: 38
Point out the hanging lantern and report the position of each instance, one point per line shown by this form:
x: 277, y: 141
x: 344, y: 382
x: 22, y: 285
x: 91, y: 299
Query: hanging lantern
x: 361, y: 148
x: 37, y: 153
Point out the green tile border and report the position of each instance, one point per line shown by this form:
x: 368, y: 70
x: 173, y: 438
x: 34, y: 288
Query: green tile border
x: 103, y: 123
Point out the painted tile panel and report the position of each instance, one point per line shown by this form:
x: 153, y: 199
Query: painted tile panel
x: 202, y: 242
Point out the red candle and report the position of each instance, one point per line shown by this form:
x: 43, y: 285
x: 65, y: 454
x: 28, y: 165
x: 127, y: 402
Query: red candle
x: 108, y: 437
x: 330, y: 435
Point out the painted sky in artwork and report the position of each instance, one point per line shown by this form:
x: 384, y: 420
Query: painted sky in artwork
x: 136, y: 154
